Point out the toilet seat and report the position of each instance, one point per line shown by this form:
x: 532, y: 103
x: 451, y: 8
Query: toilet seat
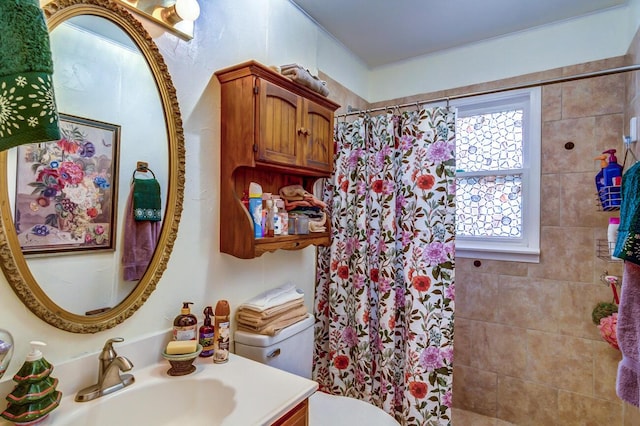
x: 333, y: 410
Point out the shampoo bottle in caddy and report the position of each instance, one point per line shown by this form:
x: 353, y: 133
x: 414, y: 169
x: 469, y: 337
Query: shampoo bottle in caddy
x: 600, y: 179
x: 612, y: 178
x: 207, y: 333
x: 222, y: 333
x: 185, y: 326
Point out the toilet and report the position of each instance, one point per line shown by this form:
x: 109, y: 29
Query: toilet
x: 292, y: 350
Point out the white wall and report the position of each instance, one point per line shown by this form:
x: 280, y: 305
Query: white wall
x: 228, y: 32
x: 589, y: 38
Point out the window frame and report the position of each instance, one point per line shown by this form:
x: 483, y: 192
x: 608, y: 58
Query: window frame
x: 526, y: 248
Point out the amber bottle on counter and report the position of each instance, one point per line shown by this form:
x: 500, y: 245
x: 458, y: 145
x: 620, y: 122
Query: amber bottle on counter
x: 222, y: 332
x: 185, y: 326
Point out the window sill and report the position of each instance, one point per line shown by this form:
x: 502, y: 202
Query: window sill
x: 520, y: 254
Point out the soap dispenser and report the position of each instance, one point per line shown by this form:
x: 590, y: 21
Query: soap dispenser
x: 600, y: 178
x: 612, y: 179
x: 35, y: 394
x: 185, y: 326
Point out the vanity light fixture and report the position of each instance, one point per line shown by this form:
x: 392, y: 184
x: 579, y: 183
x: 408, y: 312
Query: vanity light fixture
x: 177, y: 16
x: 181, y: 10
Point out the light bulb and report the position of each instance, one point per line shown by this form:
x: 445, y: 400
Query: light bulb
x: 187, y: 10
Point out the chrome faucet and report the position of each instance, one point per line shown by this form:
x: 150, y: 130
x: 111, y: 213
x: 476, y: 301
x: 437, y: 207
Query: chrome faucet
x: 109, y: 377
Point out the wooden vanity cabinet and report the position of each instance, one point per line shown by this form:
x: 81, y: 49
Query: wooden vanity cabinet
x: 297, y: 416
x: 273, y: 132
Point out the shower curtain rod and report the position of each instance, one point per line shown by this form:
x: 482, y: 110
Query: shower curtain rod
x: 528, y: 85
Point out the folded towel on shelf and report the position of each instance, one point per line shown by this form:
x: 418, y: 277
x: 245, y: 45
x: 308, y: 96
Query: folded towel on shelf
x: 303, y: 77
x: 263, y: 322
x: 317, y: 225
x: 273, y: 327
x: 273, y: 298
x: 628, y: 334
x: 270, y: 313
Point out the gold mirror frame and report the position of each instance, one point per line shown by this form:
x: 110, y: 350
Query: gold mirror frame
x: 12, y: 261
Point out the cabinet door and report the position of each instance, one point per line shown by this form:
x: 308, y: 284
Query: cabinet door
x: 318, y: 134
x: 278, y: 117
x: 298, y: 416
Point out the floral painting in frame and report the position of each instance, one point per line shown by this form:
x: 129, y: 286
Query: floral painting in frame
x: 66, y: 190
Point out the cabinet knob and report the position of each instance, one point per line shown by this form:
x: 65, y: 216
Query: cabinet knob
x: 303, y: 131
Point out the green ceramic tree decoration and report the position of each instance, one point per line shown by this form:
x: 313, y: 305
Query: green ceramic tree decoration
x: 35, y: 394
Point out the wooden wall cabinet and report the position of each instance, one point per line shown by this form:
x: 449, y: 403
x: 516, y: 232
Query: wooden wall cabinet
x: 276, y: 133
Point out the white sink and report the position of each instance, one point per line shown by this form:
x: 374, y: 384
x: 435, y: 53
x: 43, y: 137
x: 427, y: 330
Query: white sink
x: 168, y: 402
x: 239, y: 392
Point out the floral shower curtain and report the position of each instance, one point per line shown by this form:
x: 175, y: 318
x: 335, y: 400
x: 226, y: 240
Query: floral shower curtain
x: 385, y: 287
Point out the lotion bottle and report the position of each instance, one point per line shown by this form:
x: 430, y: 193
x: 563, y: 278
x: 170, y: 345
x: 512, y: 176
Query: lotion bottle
x: 185, y: 326
x: 222, y: 332
x: 207, y: 334
x: 612, y: 235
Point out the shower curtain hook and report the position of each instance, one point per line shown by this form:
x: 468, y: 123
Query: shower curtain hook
x: 417, y: 106
x: 447, y: 102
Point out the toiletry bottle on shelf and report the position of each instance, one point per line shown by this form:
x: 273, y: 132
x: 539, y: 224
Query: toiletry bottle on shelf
x: 207, y: 333
x: 222, y: 336
x: 284, y: 216
x: 277, y: 219
x: 612, y: 235
x: 185, y: 326
x: 255, y: 208
x: 600, y: 178
x: 612, y: 174
x: 270, y: 231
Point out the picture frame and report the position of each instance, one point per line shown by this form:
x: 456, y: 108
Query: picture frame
x: 66, y: 190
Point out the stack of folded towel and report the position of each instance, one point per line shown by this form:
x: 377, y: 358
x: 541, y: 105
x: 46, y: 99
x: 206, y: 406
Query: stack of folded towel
x: 269, y: 312
x: 303, y: 77
x: 299, y: 201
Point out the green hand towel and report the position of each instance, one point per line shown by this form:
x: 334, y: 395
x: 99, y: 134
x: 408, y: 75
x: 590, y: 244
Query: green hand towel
x: 146, y: 200
x: 27, y: 104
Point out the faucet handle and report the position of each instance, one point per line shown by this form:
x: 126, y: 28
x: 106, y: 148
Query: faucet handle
x: 108, y: 353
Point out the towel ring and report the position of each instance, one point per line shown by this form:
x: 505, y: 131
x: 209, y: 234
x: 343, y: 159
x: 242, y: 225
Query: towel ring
x: 142, y: 169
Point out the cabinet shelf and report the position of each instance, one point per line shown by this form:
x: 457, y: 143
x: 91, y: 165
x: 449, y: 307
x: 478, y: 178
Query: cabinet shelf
x: 275, y: 133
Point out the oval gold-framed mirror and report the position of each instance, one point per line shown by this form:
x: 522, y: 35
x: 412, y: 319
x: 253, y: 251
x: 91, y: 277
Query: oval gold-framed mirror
x: 12, y: 260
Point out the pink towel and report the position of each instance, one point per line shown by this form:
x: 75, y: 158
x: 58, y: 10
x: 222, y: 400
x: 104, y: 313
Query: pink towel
x: 628, y: 332
x: 139, y: 243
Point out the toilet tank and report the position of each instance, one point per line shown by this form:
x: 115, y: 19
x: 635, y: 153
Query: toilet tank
x: 290, y: 350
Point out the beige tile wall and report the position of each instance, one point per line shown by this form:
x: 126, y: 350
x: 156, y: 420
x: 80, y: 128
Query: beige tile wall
x: 526, y: 350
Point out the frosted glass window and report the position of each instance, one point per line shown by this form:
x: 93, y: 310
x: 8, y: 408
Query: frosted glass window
x: 498, y: 176
x: 489, y: 141
x: 489, y: 206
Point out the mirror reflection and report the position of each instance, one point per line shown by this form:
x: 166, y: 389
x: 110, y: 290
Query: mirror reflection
x: 101, y: 80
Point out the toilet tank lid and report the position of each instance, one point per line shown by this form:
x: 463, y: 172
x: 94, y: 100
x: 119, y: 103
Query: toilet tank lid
x: 263, y: 341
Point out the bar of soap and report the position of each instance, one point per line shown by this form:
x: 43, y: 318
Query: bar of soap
x: 179, y: 347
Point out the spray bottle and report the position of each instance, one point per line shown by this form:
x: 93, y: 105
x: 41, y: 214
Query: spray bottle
x: 207, y: 333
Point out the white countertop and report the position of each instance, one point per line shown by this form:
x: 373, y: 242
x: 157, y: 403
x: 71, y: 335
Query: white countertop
x: 250, y: 393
